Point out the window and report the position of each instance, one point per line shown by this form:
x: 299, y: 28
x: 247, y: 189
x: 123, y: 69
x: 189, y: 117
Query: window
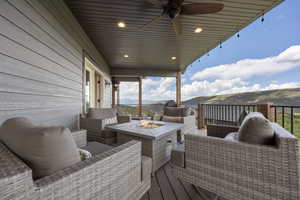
x: 87, y: 88
x: 93, y: 86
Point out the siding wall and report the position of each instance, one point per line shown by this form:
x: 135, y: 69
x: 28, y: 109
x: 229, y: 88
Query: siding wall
x: 41, y: 47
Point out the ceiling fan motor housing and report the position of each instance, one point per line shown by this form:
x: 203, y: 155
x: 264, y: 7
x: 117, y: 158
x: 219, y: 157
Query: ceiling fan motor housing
x: 173, y: 12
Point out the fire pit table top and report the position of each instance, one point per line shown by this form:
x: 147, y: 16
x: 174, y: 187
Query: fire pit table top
x: 146, y: 128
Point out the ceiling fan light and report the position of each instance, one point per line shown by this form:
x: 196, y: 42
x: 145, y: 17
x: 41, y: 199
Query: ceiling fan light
x: 173, y: 58
x: 121, y: 24
x: 198, y: 30
x: 126, y: 56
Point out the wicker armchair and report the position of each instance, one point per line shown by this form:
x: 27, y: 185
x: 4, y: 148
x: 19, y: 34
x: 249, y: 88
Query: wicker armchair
x: 96, y: 120
x: 118, y: 174
x: 241, y: 171
x: 189, y: 121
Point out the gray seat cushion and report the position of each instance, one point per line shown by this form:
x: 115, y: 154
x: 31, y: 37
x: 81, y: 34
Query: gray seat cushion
x: 44, y: 149
x: 96, y: 148
x: 256, y: 129
x: 171, y: 103
x: 177, y: 111
x: 178, y: 155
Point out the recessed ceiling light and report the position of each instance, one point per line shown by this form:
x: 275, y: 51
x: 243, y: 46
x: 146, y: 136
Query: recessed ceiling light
x: 173, y: 58
x: 126, y: 56
x: 198, y: 30
x: 121, y: 24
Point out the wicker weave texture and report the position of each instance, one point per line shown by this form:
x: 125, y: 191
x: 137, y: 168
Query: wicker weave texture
x: 113, y: 175
x: 241, y: 171
x: 159, y: 150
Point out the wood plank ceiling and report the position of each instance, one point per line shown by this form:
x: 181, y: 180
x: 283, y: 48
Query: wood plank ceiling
x: 150, y: 50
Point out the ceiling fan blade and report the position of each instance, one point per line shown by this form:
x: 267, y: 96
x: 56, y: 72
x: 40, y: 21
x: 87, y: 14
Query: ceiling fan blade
x: 201, y: 8
x: 177, y: 25
x: 155, y: 2
x: 151, y: 22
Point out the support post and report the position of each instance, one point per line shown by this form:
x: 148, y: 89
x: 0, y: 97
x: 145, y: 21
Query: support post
x: 140, y: 97
x: 113, y: 95
x: 118, y: 95
x: 178, y: 88
x: 265, y: 109
x: 201, y: 116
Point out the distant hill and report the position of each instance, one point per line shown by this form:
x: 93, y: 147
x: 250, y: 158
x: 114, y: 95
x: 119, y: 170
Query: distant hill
x: 278, y: 97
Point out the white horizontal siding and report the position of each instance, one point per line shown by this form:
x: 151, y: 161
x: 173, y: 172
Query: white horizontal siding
x: 41, y: 62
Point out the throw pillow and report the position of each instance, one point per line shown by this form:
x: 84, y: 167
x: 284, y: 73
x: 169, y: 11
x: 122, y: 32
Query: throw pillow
x: 256, y: 129
x: 44, y: 149
x: 84, y: 154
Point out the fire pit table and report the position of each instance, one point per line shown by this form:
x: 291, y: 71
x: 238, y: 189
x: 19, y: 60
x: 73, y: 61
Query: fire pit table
x: 157, y: 138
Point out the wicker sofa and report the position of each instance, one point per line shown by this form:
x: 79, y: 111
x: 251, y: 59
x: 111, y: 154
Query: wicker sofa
x: 95, y: 121
x: 118, y: 174
x: 240, y: 171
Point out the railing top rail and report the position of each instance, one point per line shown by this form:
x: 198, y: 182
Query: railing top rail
x: 212, y: 104
x: 285, y: 106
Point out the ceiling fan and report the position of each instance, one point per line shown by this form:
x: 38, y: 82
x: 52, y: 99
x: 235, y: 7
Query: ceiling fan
x: 175, y: 8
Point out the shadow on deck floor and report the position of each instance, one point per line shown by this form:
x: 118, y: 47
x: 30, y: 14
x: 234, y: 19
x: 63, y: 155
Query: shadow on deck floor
x: 165, y: 186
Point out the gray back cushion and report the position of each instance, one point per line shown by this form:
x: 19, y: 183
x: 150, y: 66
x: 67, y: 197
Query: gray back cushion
x: 256, y: 129
x: 102, y: 113
x: 44, y: 149
x: 171, y: 103
x: 177, y: 111
x: 172, y: 119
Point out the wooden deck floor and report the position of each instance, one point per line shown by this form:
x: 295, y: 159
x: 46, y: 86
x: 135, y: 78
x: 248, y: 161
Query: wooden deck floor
x: 165, y: 186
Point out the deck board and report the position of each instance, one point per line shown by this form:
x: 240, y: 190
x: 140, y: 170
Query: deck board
x: 176, y: 185
x: 165, y: 186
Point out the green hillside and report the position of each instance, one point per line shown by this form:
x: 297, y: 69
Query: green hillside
x: 278, y: 97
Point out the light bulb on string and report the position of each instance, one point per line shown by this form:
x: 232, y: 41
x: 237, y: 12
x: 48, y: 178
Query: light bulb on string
x: 263, y: 17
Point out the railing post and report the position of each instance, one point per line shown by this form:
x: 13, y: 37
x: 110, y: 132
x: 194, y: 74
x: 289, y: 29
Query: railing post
x: 265, y: 109
x: 201, y: 116
x: 140, y: 97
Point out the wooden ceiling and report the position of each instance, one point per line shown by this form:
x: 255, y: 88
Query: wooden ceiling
x: 150, y: 50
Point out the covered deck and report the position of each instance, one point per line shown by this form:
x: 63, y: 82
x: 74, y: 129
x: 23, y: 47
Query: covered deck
x: 61, y: 57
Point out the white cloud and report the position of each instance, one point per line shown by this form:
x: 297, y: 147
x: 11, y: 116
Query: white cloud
x: 164, y: 89
x: 219, y: 87
x: 160, y: 89
x: 244, y: 69
x: 222, y: 79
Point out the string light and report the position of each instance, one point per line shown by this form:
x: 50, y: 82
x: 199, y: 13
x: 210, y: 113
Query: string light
x: 221, y: 46
x: 238, y: 35
x: 263, y: 17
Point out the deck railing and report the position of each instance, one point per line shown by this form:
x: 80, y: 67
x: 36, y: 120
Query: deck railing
x: 229, y: 114
x: 288, y: 117
x: 224, y: 113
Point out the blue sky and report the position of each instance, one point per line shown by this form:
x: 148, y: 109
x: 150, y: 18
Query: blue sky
x: 279, y: 34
